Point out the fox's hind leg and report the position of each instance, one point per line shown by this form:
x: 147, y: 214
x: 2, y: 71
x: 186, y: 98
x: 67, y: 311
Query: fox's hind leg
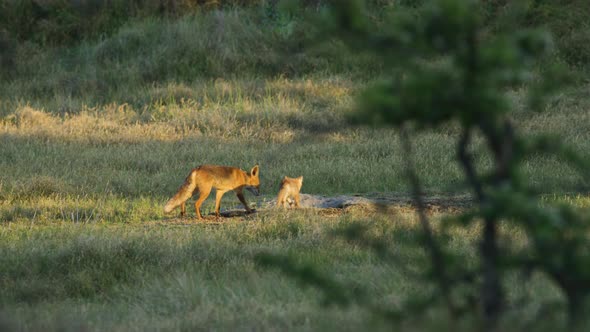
x: 281, y: 198
x: 296, y: 197
x: 182, y: 209
x: 218, y: 196
x: 203, y: 194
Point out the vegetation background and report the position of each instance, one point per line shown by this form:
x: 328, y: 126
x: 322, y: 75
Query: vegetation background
x: 106, y: 105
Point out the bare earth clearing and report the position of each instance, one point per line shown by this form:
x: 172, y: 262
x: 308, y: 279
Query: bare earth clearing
x: 337, y: 205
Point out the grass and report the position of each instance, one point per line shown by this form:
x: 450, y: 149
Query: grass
x: 84, y: 243
x: 162, y: 276
x: 96, y: 136
x: 155, y: 275
x: 290, y: 127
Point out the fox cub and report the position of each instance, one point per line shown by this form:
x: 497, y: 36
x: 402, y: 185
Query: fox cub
x: 221, y: 178
x: 290, y: 188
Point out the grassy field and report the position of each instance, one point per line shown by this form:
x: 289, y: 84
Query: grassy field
x: 184, y: 276
x: 289, y: 127
x: 85, y: 244
x: 96, y: 136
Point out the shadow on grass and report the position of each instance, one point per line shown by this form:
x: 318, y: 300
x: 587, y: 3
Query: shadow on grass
x: 211, y: 218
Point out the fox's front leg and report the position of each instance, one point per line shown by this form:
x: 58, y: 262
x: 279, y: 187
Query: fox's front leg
x: 243, y: 200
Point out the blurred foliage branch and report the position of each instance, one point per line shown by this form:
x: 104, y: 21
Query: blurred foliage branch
x: 441, y: 68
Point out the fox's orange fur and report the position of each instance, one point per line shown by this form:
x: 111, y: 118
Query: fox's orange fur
x: 222, y: 179
x: 290, y: 187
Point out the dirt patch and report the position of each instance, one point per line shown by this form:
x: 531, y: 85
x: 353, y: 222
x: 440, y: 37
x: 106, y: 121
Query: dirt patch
x: 381, y: 202
x: 333, y: 206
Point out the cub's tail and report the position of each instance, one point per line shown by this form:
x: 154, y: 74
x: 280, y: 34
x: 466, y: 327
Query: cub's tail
x: 184, y: 192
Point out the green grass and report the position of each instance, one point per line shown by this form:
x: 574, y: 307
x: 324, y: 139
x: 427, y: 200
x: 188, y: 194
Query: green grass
x: 154, y: 275
x: 97, y: 135
x: 289, y: 127
x: 84, y: 243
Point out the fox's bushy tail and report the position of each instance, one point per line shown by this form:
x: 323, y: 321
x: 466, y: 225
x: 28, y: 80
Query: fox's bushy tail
x: 184, y: 193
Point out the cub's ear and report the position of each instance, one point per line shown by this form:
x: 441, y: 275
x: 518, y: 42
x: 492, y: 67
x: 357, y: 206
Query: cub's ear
x: 300, y: 178
x: 254, y: 170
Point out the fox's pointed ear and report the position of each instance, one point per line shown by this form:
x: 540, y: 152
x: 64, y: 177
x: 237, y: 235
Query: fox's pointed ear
x: 300, y: 178
x: 254, y: 171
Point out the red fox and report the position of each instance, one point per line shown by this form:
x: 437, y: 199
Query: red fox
x: 222, y: 178
x: 290, y: 187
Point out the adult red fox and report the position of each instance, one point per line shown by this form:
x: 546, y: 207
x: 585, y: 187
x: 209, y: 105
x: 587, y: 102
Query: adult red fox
x: 222, y: 178
x: 290, y: 187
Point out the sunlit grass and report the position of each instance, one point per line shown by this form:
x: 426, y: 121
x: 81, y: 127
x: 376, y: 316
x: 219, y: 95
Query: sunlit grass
x: 290, y: 127
x: 96, y: 137
x: 84, y: 242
